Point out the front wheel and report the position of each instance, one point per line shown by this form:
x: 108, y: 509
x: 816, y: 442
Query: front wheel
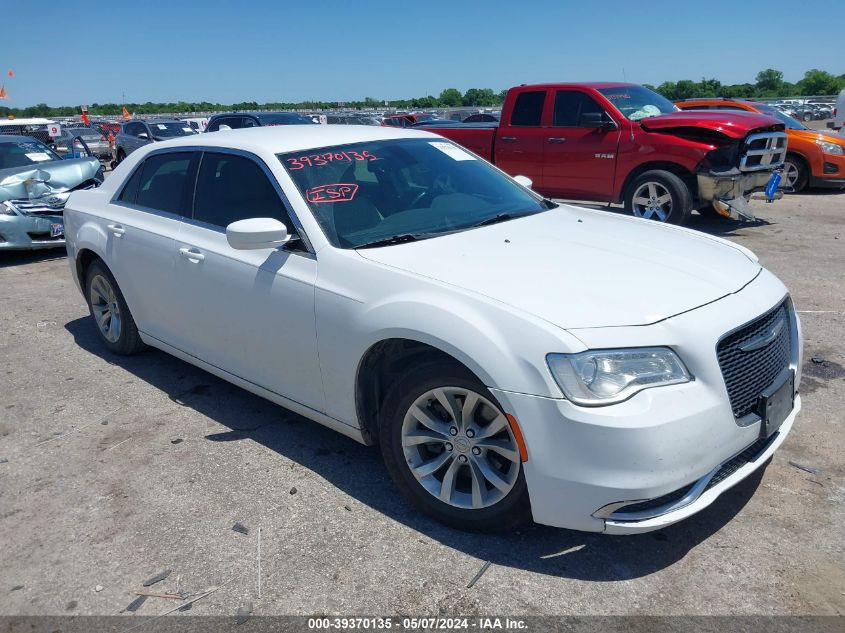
x: 795, y: 173
x: 659, y: 195
x: 450, y: 449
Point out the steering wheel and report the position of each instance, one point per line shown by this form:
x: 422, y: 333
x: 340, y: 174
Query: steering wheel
x: 442, y: 184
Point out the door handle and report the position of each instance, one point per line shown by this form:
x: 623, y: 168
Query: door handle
x: 508, y: 139
x: 191, y: 254
x: 116, y: 229
x: 556, y: 139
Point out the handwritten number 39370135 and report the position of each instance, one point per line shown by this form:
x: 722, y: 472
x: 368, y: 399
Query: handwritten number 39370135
x: 319, y: 160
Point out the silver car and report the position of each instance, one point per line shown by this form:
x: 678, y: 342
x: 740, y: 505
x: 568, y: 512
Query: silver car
x: 67, y: 146
x: 35, y: 183
x: 135, y: 134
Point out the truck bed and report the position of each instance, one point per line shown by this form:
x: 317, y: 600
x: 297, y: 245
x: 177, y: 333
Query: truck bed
x: 477, y: 137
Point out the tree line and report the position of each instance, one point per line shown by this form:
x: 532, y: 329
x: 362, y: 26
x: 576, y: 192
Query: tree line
x: 769, y: 83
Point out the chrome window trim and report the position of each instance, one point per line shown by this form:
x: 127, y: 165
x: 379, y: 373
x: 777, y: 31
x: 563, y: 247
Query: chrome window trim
x: 202, y: 150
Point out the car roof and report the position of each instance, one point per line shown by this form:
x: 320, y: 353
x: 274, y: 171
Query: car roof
x: 16, y: 138
x: 290, y: 138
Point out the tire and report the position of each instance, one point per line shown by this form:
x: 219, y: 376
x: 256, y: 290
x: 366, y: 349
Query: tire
x: 120, y: 157
x: 453, y: 453
x: 644, y: 195
x: 795, y: 172
x: 112, y: 318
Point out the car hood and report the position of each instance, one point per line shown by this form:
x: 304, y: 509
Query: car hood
x: 580, y: 268
x: 731, y: 124
x: 36, y: 181
x: 817, y: 135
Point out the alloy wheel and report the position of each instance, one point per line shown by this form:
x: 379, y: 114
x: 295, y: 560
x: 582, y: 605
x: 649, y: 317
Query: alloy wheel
x: 652, y: 201
x: 106, y: 308
x: 791, y: 173
x: 459, y: 446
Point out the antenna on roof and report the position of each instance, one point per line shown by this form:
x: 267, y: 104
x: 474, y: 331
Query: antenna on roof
x: 624, y: 78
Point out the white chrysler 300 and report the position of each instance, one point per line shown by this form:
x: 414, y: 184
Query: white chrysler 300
x: 512, y: 357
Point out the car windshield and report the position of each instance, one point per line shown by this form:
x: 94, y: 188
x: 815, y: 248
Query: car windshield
x: 788, y: 121
x: 367, y: 193
x: 25, y: 152
x: 285, y: 118
x: 636, y: 102
x: 170, y: 129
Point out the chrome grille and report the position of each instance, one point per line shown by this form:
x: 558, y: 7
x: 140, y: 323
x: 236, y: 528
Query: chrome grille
x: 747, y: 373
x: 764, y: 150
x: 51, y: 205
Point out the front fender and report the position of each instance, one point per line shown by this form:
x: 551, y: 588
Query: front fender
x: 503, y: 347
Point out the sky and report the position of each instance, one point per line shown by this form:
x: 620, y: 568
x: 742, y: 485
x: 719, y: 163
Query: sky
x: 226, y: 51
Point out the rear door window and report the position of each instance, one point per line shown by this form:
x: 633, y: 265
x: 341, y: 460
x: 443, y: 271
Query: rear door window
x: 528, y: 109
x: 164, y: 182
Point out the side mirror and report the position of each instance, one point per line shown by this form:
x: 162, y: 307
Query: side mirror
x: 525, y: 181
x: 596, y: 121
x: 144, y: 136
x: 256, y: 233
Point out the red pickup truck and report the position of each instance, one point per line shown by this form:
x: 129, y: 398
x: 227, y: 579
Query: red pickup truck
x: 617, y: 142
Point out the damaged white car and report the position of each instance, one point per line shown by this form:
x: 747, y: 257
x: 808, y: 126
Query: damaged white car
x: 34, y: 186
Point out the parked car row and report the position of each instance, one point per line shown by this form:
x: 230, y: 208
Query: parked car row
x: 397, y: 288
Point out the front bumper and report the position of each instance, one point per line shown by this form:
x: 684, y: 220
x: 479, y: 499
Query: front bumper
x: 583, y: 459
x: 730, y: 192
x: 29, y: 232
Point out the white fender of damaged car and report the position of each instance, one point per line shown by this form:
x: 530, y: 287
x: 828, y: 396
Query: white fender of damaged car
x: 360, y: 303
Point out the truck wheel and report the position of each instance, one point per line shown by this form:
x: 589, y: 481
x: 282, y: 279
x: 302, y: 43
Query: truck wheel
x: 795, y: 172
x: 450, y: 449
x: 111, y: 315
x: 659, y: 195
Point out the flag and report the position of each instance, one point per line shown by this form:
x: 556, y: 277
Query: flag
x: 126, y: 113
x: 85, y: 118
x: 3, y: 94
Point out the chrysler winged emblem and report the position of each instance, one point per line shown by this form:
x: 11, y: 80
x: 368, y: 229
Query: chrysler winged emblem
x: 760, y: 341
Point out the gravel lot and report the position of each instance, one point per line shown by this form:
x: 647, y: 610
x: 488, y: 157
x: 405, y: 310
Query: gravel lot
x: 115, y: 469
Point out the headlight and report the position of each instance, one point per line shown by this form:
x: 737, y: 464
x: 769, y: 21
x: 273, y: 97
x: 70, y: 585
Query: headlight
x: 601, y: 377
x: 7, y: 208
x: 830, y: 148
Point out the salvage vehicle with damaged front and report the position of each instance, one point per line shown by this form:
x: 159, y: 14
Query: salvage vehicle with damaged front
x: 395, y: 287
x: 35, y: 183
x: 623, y: 143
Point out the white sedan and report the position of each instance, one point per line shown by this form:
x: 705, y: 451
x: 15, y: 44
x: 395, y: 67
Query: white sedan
x: 512, y: 357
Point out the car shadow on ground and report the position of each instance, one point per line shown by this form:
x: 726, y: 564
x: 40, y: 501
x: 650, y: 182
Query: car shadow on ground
x: 20, y: 258
x: 358, y: 471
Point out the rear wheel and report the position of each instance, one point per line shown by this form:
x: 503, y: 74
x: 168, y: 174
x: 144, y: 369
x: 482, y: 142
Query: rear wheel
x: 659, y: 195
x: 111, y: 315
x: 795, y: 172
x: 121, y: 155
x: 450, y: 449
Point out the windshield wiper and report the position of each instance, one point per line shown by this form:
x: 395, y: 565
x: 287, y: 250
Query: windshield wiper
x: 394, y: 239
x: 501, y: 217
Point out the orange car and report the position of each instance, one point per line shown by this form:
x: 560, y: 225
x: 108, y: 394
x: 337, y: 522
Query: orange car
x: 814, y: 158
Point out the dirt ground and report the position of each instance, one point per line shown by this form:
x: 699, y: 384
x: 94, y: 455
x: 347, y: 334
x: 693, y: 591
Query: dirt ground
x: 115, y: 469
